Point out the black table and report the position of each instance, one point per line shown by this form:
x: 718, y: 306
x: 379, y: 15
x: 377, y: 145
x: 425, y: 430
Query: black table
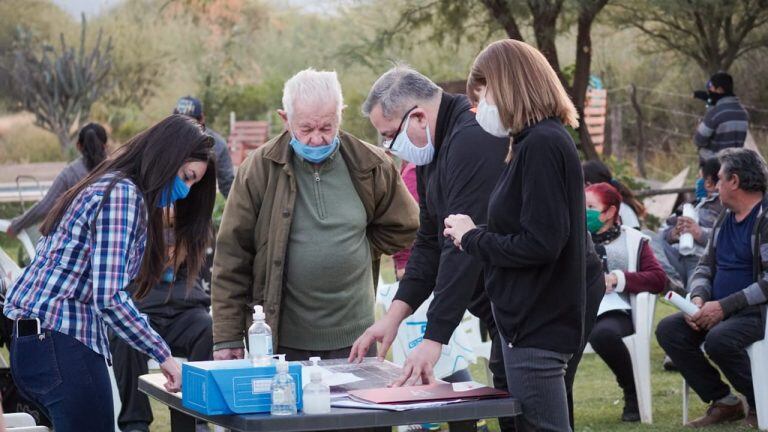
x: 460, y: 416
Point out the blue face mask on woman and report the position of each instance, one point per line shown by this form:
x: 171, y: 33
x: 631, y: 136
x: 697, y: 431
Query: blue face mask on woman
x: 173, y: 192
x: 314, y: 154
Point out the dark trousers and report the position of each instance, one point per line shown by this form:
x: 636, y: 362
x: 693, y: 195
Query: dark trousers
x: 496, y: 365
x: 188, y: 334
x: 66, y: 379
x: 606, y: 337
x: 725, y: 344
x: 595, y: 292
x: 536, y: 378
x: 496, y: 362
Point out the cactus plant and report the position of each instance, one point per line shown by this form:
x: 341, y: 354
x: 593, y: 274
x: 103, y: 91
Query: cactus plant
x: 59, y: 86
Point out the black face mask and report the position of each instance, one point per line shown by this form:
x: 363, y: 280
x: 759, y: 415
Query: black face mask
x: 713, y: 97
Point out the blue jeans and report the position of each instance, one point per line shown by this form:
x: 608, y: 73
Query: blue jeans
x: 66, y: 379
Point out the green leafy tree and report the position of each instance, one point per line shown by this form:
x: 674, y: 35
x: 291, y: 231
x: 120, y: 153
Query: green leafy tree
x: 452, y: 20
x: 712, y: 33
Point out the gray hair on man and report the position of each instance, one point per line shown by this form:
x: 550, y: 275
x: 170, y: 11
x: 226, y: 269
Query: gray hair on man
x: 398, y: 90
x: 745, y: 163
x: 312, y: 87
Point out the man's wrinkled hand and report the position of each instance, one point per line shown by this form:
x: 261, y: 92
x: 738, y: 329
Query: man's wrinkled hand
x: 382, y: 331
x: 419, y: 366
x: 710, y: 314
x: 689, y: 318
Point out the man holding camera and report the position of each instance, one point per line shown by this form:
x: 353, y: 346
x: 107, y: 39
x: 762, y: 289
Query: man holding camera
x: 726, y: 122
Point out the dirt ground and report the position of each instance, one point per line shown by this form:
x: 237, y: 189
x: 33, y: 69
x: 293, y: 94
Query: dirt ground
x: 44, y: 171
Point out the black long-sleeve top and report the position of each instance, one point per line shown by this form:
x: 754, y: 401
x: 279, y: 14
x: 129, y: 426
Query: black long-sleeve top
x: 533, y: 247
x: 460, y: 179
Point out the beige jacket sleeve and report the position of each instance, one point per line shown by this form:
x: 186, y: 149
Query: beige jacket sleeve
x: 396, y: 215
x: 233, y: 262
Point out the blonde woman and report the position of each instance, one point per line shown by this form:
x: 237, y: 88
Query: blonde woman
x: 533, y: 246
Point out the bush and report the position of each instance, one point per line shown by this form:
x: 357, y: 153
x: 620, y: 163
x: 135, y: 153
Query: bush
x: 28, y: 144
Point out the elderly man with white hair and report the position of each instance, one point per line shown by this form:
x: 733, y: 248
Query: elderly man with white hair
x: 307, y: 218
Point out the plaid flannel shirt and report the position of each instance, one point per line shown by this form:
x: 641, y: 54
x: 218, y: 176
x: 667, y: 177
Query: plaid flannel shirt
x: 76, y: 282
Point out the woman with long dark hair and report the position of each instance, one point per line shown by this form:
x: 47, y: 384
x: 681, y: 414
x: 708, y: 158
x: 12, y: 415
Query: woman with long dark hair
x: 92, y: 145
x: 102, y: 234
x: 534, y: 245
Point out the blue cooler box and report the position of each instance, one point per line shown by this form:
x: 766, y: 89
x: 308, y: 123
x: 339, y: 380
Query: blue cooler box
x: 232, y: 386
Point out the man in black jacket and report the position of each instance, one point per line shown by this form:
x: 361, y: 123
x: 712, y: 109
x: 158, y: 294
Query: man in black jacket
x: 458, y: 167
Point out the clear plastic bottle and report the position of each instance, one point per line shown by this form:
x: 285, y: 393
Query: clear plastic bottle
x: 316, y: 396
x: 283, y: 391
x: 686, y: 245
x: 260, y: 339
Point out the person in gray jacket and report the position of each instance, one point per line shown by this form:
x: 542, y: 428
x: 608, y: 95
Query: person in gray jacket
x: 726, y: 122
x: 192, y: 107
x: 92, y: 144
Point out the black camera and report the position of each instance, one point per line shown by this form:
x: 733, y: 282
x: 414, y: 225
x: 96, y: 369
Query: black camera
x: 701, y: 94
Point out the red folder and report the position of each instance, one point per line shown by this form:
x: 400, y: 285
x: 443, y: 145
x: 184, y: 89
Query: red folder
x: 424, y: 393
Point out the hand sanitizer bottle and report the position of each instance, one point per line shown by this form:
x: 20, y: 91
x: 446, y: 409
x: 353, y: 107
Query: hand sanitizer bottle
x: 260, y: 339
x: 317, y: 396
x: 283, y: 391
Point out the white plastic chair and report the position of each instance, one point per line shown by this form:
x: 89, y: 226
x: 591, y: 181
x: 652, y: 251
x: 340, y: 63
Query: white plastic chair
x: 639, y: 346
x: 758, y: 358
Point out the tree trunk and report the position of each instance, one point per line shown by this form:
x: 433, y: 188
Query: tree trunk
x: 63, y: 135
x: 545, y: 13
x: 640, y: 133
x: 499, y: 10
x: 581, y: 75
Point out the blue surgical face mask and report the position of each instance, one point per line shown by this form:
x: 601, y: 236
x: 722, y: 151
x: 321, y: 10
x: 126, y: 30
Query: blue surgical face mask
x: 173, y: 192
x: 701, y: 191
x: 314, y: 154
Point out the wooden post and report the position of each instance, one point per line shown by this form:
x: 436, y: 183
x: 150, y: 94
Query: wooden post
x: 640, y: 133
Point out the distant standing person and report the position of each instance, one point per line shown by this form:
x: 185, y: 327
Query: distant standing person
x: 225, y: 174
x: 92, y: 145
x: 726, y: 123
x: 631, y: 208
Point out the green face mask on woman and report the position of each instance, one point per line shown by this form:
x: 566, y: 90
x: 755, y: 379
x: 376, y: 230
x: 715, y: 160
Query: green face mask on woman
x: 594, y: 224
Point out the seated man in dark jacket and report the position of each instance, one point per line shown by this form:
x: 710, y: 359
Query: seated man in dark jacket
x: 730, y: 286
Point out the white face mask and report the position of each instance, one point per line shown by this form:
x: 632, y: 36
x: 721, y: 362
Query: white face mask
x: 488, y: 118
x: 405, y: 149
